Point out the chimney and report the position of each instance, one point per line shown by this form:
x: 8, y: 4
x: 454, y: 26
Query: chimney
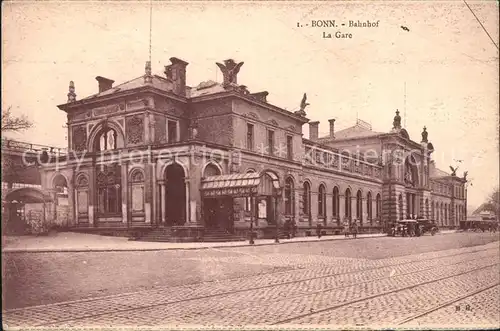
x: 313, y: 130
x: 176, y: 72
x: 104, y: 83
x: 332, y: 128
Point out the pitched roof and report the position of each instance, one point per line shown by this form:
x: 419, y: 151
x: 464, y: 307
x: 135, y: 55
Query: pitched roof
x: 435, y: 172
x: 205, y: 88
x: 157, y: 82
x: 356, y: 131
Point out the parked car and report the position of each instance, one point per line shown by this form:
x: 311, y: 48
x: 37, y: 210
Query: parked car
x: 427, y: 226
x: 404, y: 228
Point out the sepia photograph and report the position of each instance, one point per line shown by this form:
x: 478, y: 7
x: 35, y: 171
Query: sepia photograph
x: 250, y: 165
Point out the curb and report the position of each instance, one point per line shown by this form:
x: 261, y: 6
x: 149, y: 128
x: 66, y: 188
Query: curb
x: 146, y: 249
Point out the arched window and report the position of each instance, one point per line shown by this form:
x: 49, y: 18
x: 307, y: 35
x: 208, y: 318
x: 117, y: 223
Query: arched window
x: 369, y: 206
x: 107, y: 140
x: 109, y: 190
x: 137, y: 190
x: 289, y: 201
x: 335, y: 203
x: 379, y: 207
x: 359, y: 206
x: 321, y: 201
x: 348, y: 204
x: 211, y: 170
x: 306, y: 199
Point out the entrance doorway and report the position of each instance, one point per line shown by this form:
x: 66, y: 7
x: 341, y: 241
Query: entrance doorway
x: 175, y: 195
x: 219, y: 214
x: 411, y: 205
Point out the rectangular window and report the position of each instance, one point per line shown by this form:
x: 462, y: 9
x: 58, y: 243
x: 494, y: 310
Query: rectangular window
x: 289, y: 147
x: 270, y: 141
x: 172, y: 131
x: 250, y: 136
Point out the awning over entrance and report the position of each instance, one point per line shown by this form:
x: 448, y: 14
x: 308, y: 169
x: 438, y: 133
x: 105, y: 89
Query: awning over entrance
x: 239, y: 185
x: 28, y: 195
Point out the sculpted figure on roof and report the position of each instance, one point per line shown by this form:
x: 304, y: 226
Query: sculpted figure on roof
x: 230, y: 71
x: 303, y: 105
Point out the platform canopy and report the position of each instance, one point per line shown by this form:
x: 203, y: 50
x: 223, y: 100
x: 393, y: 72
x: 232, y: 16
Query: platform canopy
x: 240, y: 185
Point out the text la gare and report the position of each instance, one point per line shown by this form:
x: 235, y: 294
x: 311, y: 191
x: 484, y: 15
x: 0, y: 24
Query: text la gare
x: 338, y: 35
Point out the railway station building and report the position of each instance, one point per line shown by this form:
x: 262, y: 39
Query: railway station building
x: 155, y: 153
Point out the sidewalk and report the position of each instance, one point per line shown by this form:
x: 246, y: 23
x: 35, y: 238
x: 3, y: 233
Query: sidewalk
x: 80, y: 242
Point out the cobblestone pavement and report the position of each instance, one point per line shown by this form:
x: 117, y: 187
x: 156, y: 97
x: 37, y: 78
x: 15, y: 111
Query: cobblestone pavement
x: 42, y: 278
x: 419, y: 289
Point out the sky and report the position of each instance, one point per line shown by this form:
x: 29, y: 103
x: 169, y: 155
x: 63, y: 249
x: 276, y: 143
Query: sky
x: 446, y: 61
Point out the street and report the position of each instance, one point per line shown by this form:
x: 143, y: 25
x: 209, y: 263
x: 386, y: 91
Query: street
x: 447, y: 279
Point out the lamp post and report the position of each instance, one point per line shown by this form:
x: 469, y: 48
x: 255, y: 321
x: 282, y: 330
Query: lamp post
x: 277, y: 194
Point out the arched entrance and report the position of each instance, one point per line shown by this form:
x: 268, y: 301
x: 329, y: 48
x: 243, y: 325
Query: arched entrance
x: 25, y: 210
x: 175, y: 195
x: 61, y: 210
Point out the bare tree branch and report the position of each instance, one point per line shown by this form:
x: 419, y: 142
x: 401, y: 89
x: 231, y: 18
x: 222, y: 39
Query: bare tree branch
x: 12, y: 123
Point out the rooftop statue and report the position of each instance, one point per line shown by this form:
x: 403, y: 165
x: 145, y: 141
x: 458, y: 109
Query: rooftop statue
x: 424, y: 135
x: 230, y: 71
x: 397, y: 121
x: 453, y: 171
x: 303, y: 103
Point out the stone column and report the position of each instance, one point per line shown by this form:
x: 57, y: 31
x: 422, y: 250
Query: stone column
x: 71, y: 204
x: 75, y: 206
x: 188, y: 215
x: 154, y: 185
x: 124, y: 189
x: 163, y: 201
x: 91, y: 195
x: 329, y: 207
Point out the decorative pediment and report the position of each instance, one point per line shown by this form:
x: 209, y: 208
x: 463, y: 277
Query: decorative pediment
x: 272, y: 122
x: 291, y: 128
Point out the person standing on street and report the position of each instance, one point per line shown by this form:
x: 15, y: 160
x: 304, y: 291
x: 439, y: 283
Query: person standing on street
x: 354, y: 229
x: 346, y: 227
x: 294, y: 228
x: 318, y: 230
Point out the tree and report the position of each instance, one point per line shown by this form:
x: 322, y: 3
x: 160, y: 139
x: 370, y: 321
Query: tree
x: 494, y: 201
x: 13, y: 123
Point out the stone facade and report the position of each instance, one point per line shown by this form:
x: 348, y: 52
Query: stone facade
x: 139, y: 152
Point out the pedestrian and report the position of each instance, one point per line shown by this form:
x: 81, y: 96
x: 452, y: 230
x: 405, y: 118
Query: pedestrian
x: 294, y: 228
x: 417, y: 230
x: 346, y: 227
x: 318, y: 230
x: 286, y: 228
x: 354, y: 229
